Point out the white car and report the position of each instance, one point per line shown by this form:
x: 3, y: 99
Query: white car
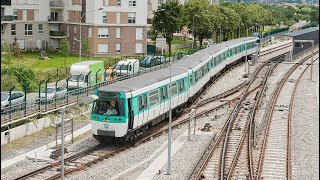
x: 53, y: 93
x: 17, y: 97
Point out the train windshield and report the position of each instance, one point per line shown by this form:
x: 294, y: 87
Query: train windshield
x: 109, y: 107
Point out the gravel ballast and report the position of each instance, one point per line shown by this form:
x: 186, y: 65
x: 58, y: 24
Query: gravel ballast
x: 305, y: 129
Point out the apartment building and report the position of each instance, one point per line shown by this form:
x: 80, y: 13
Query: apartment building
x: 118, y: 28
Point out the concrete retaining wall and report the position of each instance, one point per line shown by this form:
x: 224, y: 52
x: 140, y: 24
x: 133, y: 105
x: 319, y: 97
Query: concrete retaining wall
x: 24, y: 130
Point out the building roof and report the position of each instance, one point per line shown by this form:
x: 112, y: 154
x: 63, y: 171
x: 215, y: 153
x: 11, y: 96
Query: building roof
x: 300, y: 32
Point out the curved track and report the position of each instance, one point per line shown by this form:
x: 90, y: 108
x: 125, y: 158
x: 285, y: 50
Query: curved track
x: 274, y: 160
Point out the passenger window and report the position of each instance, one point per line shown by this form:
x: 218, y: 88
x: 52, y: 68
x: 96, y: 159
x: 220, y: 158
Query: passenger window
x: 164, y: 93
x: 182, y: 85
x: 145, y: 101
x: 191, y: 80
x: 153, y: 97
x: 140, y: 103
x: 198, y: 75
x: 173, y: 89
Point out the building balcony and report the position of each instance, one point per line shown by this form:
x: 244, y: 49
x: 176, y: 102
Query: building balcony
x: 57, y: 34
x: 7, y: 18
x: 57, y: 4
x: 5, y: 2
x: 55, y: 19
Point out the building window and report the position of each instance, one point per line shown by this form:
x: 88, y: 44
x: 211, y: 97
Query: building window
x: 13, y: 29
x: 139, y: 48
x: 139, y: 33
x: 74, y: 31
x: 132, y: 18
x: 160, y: 2
x: 103, y: 48
x: 132, y: 3
x: 118, y: 17
x: 28, y: 29
x: 104, y: 18
x: 118, y: 47
x: 40, y: 28
x: 118, y: 33
x: 103, y: 32
x: 118, y: 2
x: 15, y: 14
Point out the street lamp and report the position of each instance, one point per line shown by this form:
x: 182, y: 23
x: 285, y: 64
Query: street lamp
x: 86, y: 100
x: 80, y: 39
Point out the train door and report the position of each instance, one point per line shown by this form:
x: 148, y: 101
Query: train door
x: 142, y: 108
x: 146, y: 109
x: 131, y: 115
x: 164, y: 104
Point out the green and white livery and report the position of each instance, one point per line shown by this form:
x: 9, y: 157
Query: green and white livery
x: 128, y: 108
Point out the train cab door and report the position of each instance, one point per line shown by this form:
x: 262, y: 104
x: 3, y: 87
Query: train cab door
x: 131, y: 115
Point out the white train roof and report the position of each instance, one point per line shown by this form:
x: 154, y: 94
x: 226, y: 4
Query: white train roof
x: 178, y: 68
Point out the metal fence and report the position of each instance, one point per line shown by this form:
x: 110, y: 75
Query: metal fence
x: 34, y: 107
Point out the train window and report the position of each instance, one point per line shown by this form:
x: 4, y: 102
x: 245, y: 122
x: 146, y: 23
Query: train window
x: 221, y: 57
x: 173, y: 89
x: 238, y: 49
x: 164, y: 92
x: 208, y: 65
x: 181, y: 85
x: 191, y: 80
x: 145, y: 101
x: 153, y: 97
x: 205, y: 70
x: 202, y: 70
x: 109, y: 107
x: 233, y: 50
x: 198, y: 75
x: 212, y: 63
x: 140, y: 103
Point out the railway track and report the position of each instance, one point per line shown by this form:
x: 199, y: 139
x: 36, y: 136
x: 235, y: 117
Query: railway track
x: 95, y: 154
x: 205, y: 165
x: 274, y: 160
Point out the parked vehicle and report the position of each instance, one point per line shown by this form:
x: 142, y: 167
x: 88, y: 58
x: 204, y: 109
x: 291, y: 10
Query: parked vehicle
x: 84, y: 74
x: 17, y: 97
x: 127, y: 67
x: 181, y: 54
x: 52, y: 93
x: 160, y: 59
x: 111, y: 74
x: 148, y: 61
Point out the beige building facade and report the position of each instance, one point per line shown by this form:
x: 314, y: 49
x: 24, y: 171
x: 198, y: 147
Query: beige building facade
x: 117, y: 29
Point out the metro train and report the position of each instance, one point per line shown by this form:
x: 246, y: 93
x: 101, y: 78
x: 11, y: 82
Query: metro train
x: 127, y: 108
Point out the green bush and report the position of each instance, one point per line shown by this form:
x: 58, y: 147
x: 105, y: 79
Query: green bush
x: 23, y: 75
x: 8, y: 81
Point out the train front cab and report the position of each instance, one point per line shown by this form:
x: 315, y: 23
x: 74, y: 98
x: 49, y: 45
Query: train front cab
x: 109, y: 115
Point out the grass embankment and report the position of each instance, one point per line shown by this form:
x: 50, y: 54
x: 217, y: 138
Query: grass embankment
x: 31, y: 59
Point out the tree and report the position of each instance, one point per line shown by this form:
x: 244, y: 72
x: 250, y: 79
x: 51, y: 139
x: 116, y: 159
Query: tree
x: 16, y: 49
x: 230, y: 21
x: 199, y: 19
x: 86, y: 46
x: 64, y: 49
x: 168, y: 19
x: 314, y: 14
